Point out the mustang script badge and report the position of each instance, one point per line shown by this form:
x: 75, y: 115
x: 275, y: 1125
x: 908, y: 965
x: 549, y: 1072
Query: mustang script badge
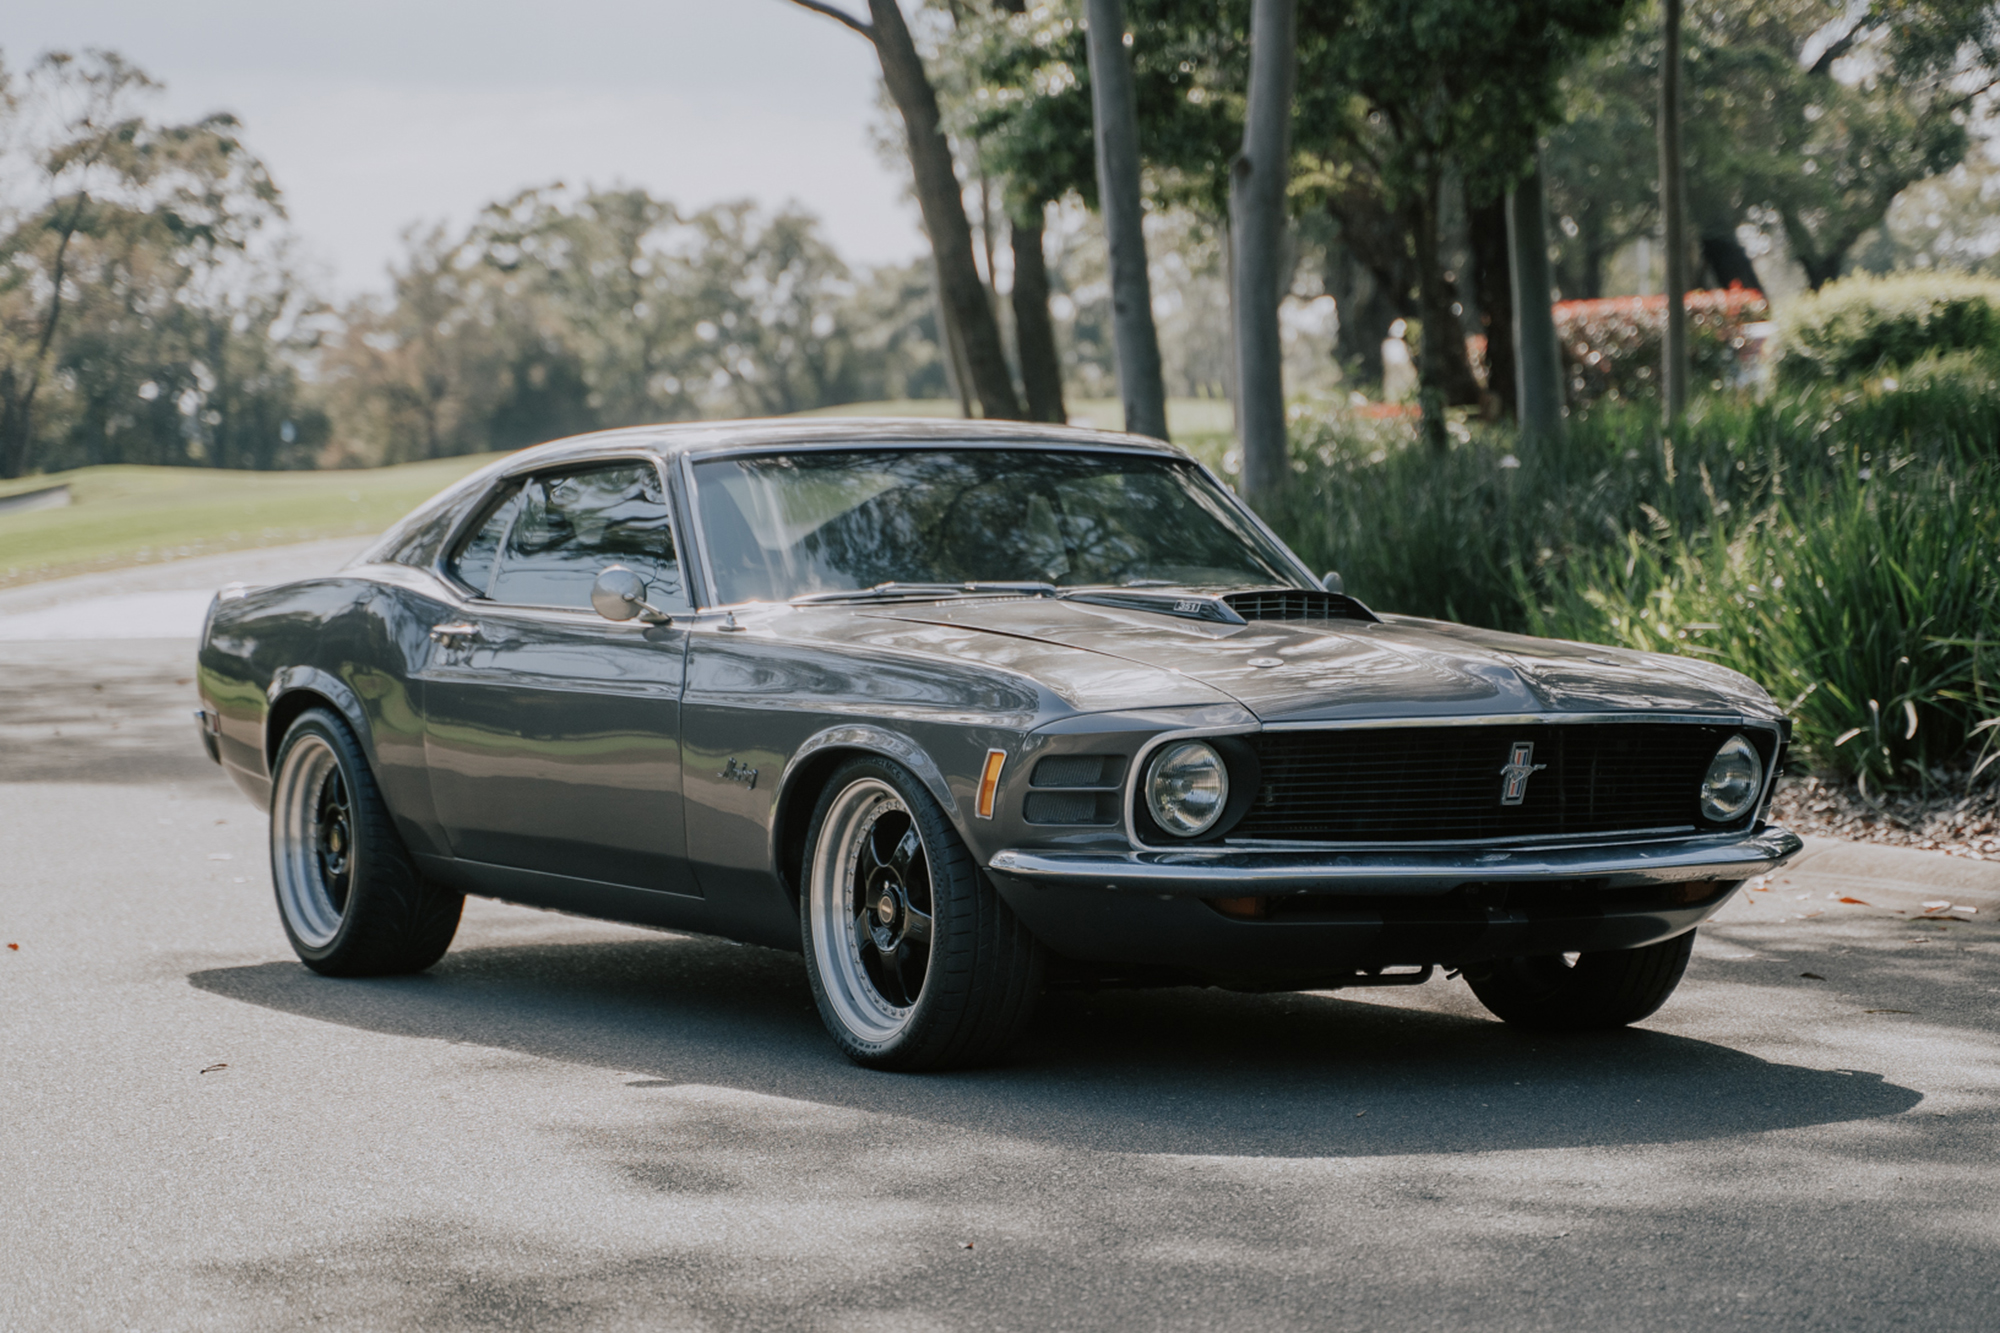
x: 1517, y: 773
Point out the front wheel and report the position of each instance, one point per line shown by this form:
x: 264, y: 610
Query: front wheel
x: 352, y: 902
x: 1588, y: 992
x: 914, y: 960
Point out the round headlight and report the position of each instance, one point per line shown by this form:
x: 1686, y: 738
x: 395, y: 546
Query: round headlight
x: 1735, y: 777
x: 1186, y: 788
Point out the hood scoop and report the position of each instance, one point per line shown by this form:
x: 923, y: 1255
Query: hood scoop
x: 1298, y: 606
x: 1187, y: 605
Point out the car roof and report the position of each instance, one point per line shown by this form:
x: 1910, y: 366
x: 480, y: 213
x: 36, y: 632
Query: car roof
x: 704, y: 437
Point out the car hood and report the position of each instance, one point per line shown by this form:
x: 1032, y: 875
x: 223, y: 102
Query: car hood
x: 1346, y: 669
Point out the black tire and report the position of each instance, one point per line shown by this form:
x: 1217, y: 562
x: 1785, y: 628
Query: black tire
x: 1597, y: 992
x: 979, y: 979
x: 352, y: 902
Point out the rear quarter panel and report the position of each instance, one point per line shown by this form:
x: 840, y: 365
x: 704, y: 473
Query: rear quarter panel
x: 354, y: 641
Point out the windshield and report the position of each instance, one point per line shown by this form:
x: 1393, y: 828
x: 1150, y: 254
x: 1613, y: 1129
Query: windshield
x: 780, y: 526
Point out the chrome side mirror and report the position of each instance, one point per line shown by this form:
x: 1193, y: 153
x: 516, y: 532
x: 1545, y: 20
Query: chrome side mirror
x: 620, y: 594
x: 1332, y: 581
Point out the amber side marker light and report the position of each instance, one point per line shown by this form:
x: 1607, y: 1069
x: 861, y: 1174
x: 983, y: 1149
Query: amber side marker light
x: 989, y: 782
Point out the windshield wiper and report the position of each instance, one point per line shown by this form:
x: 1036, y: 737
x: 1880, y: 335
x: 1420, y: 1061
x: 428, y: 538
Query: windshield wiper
x: 893, y: 589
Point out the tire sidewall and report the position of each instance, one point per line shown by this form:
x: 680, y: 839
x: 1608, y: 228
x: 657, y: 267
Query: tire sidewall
x: 948, y: 904
x: 326, y: 727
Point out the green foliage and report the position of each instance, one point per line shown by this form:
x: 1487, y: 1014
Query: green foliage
x: 1836, y: 544
x: 1804, y: 117
x: 559, y: 312
x: 1851, y: 606
x: 1864, y: 325
x: 137, y: 323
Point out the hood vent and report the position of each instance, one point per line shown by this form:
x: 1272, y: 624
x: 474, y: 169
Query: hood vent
x: 1298, y: 604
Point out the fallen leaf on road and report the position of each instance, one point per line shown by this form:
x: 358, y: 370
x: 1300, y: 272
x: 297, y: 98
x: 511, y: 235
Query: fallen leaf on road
x: 1359, y: 1114
x: 1811, y: 976
x: 1888, y: 1011
x: 1856, y: 901
x: 965, y: 1245
x: 15, y: 947
x: 212, y: 1068
x: 1937, y: 906
x: 220, y: 856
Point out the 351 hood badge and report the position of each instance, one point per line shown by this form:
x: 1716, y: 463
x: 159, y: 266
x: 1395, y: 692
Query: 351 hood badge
x: 1517, y: 773
x: 739, y: 772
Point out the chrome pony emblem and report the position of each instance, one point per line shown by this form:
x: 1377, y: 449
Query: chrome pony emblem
x: 1517, y: 773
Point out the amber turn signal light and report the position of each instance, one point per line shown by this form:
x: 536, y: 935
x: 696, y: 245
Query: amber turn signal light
x: 989, y: 782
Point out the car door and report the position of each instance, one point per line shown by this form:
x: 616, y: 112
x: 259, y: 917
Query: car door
x: 552, y: 735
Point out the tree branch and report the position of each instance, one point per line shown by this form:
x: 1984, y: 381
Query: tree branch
x: 838, y: 15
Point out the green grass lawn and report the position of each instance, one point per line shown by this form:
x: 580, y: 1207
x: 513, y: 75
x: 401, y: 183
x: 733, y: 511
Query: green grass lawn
x: 121, y: 516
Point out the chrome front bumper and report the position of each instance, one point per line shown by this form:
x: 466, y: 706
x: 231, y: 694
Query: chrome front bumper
x: 1226, y: 873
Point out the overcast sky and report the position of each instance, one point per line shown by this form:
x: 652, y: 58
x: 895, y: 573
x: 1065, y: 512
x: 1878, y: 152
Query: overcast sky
x: 373, y: 114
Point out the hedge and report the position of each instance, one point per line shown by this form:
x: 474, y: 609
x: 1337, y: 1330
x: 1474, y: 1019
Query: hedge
x: 1865, y: 325
x: 1612, y: 348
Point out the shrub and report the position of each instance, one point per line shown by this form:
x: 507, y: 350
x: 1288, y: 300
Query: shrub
x: 1879, y: 509
x: 1611, y: 348
x: 1860, y: 610
x: 1866, y: 325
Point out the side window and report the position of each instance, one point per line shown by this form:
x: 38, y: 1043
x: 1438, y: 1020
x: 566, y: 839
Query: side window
x: 473, y: 565
x: 568, y: 526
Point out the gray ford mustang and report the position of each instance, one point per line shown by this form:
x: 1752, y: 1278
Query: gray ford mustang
x: 960, y: 711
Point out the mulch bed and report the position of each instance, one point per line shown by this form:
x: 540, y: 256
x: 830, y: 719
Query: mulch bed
x: 1948, y: 820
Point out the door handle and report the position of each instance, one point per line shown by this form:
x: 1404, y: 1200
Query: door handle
x: 447, y: 633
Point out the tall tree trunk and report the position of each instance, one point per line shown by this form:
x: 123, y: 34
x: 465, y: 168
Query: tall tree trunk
x: 1537, y: 357
x: 1034, y: 331
x: 1444, y: 373
x: 1114, y: 108
x: 1486, y: 228
x: 953, y: 347
x: 1257, y: 180
x: 1673, y: 207
x: 943, y: 203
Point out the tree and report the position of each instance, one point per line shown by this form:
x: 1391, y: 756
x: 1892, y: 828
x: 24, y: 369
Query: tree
x: 1673, y: 212
x: 1807, y: 115
x: 939, y: 197
x: 1115, y: 115
x: 128, y: 308
x: 1257, y: 183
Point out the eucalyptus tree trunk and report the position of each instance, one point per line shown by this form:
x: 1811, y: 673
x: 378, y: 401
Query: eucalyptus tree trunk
x: 1115, y: 110
x: 1673, y: 207
x: 961, y: 291
x: 1257, y: 181
x: 1034, y: 331
x: 1537, y: 358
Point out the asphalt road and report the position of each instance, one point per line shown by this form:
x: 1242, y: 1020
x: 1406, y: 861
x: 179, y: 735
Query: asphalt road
x: 581, y: 1126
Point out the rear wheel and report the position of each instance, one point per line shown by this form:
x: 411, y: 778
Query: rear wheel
x: 1582, y: 992
x: 350, y: 898
x: 914, y: 960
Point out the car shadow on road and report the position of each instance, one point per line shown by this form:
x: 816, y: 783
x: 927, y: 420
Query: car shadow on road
x: 1169, y: 1071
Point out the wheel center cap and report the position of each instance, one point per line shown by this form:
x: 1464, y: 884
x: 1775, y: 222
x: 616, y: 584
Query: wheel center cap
x: 885, y: 908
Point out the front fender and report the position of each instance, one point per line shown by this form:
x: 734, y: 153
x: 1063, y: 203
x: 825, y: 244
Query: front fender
x: 865, y: 738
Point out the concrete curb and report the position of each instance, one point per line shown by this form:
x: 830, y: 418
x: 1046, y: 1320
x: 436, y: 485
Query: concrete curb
x: 1897, y: 878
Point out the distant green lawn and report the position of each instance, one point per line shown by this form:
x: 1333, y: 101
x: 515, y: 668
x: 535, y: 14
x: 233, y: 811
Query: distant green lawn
x: 119, y: 516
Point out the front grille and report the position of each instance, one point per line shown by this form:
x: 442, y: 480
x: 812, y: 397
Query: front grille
x: 1442, y: 784
x: 1297, y: 604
